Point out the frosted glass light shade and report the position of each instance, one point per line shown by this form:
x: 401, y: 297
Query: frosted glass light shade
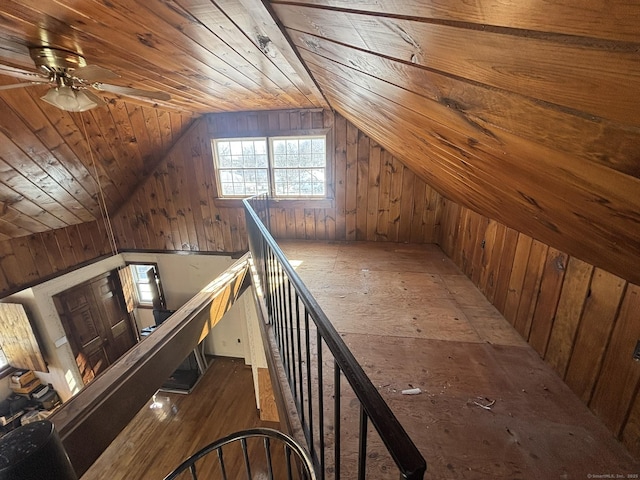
x: 69, y: 99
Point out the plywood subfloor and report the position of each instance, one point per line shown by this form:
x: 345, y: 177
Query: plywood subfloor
x: 158, y: 439
x: 413, y: 320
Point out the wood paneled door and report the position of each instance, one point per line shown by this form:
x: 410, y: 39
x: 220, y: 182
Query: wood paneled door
x: 96, y: 322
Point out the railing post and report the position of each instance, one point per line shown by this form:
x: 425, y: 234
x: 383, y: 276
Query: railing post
x: 336, y: 418
x: 320, y: 404
x: 301, y: 394
x: 362, y: 448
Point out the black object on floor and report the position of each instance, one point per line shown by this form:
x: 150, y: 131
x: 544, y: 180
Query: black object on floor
x: 181, y: 380
x: 33, y: 452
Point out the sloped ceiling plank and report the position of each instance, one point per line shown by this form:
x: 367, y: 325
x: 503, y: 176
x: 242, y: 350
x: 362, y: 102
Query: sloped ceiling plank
x: 148, y: 53
x: 243, y: 63
x: 512, y: 123
x: 154, y: 45
x: 164, y: 127
x: 196, y: 51
x: 557, y: 72
x: 258, y: 22
x: 100, y: 149
x: 122, y: 159
x: 62, y: 137
x: 44, y: 163
x: 24, y: 187
x: 71, y: 128
x: 13, y: 200
x: 557, y: 209
x: 594, y: 181
x: 127, y: 136
x: 115, y: 159
x: 596, y: 140
x: 69, y: 208
x: 17, y: 224
x: 590, y: 18
x: 206, y: 62
x: 41, y: 123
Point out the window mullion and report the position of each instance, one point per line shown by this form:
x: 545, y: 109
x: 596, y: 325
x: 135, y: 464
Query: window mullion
x: 270, y: 173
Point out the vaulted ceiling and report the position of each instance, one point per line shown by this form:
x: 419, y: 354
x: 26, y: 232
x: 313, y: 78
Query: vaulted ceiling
x: 208, y: 57
x: 526, y: 112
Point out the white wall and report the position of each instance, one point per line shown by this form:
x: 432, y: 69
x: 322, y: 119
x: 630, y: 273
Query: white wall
x: 255, y: 346
x: 182, y: 276
x: 229, y: 338
x: 144, y: 317
x: 5, y: 391
x: 237, y: 334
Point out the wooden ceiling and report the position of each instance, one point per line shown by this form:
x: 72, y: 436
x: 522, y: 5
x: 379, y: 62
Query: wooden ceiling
x: 210, y: 57
x: 526, y: 112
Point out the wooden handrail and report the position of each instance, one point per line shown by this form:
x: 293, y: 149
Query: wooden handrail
x: 91, y: 420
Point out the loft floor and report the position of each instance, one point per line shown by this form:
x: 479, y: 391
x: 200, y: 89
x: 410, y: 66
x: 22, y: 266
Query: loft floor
x: 412, y: 319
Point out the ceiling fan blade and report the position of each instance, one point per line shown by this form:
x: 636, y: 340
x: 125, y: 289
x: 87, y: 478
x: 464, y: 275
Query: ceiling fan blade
x: 20, y: 85
x: 22, y: 74
x: 93, y: 73
x: 134, y: 92
x: 93, y: 97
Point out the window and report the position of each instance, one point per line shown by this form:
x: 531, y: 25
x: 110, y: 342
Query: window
x: 284, y: 167
x: 3, y: 360
x: 144, y: 288
x: 5, y: 368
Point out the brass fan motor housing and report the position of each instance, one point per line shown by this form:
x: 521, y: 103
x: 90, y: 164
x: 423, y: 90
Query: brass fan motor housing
x: 49, y: 59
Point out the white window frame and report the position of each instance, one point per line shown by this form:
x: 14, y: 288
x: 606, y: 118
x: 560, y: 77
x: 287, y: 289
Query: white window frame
x: 4, y: 363
x: 272, y: 168
x: 138, y: 281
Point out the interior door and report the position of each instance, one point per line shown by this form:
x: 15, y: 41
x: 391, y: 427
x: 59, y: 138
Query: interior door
x: 85, y: 331
x: 97, y: 324
x: 115, y: 318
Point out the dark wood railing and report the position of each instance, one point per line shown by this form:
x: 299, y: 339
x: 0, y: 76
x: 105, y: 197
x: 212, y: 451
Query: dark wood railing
x: 303, y: 335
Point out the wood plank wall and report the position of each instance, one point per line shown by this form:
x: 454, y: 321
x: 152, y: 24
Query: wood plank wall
x: 375, y: 197
x: 29, y: 260
x: 174, y: 209
x: 581, y: 319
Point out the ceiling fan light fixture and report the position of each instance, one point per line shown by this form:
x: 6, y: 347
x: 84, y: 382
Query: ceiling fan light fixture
x: 66, y: 98
x: 85, y: 102
x: 69, y: 99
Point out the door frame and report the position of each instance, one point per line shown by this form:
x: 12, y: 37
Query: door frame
x: 63, y: 314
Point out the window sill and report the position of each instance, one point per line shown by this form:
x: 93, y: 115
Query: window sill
x: 6, y: 371
x: 279, y: 202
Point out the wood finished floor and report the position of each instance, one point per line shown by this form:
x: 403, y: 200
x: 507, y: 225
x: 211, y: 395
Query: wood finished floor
x: 158, y: 440
x: 413, y: 320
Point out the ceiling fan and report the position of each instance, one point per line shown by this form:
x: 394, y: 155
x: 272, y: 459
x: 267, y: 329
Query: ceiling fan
x: 71, y: 78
